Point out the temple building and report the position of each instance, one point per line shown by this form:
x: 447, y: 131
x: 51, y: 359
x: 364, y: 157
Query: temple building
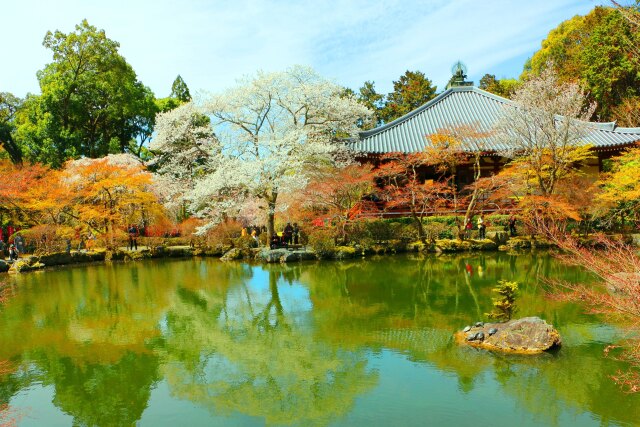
x: 463, y: 104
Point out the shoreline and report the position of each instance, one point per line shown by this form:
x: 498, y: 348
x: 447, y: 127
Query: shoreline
x: 264, y: 255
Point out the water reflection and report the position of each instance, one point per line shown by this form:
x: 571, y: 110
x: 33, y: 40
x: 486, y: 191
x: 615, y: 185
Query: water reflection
x: 306, y: 344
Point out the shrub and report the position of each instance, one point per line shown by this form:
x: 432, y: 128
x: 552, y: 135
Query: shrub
x: 223, y: 233
x: 505, y: 305
x: 322, y: 241
x: 344, y: 252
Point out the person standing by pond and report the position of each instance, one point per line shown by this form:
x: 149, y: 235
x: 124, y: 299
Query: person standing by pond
x: 13, y: 253
x: 133, y: 237
x: 481, y: 228
x: 287, y: 233
x: 468, y: 226
x: 512, y: 225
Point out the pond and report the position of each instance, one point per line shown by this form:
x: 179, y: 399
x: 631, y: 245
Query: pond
x: 200, y: 342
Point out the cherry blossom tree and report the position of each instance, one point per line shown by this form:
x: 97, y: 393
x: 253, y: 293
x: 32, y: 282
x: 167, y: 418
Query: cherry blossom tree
x: 183, y: 144
x: 546, y: 128
x: 273, y: 129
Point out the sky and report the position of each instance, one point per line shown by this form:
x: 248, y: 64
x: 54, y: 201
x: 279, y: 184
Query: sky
x: 211, y: 43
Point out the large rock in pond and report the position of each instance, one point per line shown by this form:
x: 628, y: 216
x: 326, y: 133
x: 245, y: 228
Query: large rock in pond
x: 529, y: 335
x: 4, y: 266
x: 283, y: 255
x: 232, y: 255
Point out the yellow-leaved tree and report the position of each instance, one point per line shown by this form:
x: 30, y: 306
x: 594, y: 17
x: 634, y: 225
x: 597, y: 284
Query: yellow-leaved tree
x: 110, y: 193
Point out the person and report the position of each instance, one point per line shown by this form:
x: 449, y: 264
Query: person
x: 13, y: 253
x: 296, y: 233
x: 512, y: 225
x: 468, y: 226
x: 254, y: 236
x: 287, y: 233
x: 275, y: 241
x: 133, y: 238
x: 19, y: 243
x: 481, y: 228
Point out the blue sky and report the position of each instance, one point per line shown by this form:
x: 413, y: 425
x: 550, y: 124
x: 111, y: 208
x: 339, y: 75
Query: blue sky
x: 212, y: 43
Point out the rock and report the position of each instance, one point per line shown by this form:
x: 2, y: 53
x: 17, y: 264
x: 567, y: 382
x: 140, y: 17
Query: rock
x: 479, y: 324
x: 498, y: 237
x: 232, y: 255
x: 4, y: 266
x: 283, y: 255
x: 293, y: 256
x: 529, y: 335
x: 466, y: 329
x: 635, y: 240
x: 270, y: 255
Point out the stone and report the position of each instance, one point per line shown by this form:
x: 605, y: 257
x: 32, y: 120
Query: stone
x: 635, y: 240
x: 283, y: 255
x: 294, y: 256
x: 270, y: 255
x: 466, y: 329
x: 232, y: 255
x: 529, y: 335
x: 479, y: 324
x: 4, y: 266
x: 498, y: 237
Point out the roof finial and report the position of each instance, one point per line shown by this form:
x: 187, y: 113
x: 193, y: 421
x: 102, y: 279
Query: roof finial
x: 459, y: 71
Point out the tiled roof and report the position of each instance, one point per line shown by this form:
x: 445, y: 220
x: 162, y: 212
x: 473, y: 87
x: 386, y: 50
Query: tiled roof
x: 465, y: 106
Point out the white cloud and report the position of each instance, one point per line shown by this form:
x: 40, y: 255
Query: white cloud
x: 212, y: 43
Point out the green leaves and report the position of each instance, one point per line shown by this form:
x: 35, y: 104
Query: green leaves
x: 92, y: 103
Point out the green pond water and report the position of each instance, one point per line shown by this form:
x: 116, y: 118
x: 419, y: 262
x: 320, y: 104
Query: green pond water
x: 200, y: 342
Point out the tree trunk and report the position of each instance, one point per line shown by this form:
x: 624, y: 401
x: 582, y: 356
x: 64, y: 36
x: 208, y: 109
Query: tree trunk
x: 271, y: 216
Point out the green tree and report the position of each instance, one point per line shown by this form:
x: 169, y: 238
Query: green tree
x: 599, y: 51
x: 179, y: 90
x: 501, y: 87
x: 92, y: 103
x: 375, y: 101
x: 410, y: 91
x: 9, y: 106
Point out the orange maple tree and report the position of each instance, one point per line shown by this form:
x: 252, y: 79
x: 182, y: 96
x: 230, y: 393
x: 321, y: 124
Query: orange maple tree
x: 405, y: 188
x: 110, y: 193
x: 339, y: 193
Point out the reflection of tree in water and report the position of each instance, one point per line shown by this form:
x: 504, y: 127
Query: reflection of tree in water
x: 415, y: 304
x: 102, y: 394
x: 241, y: 351
x: 551, y: 384
x: 89, y: 333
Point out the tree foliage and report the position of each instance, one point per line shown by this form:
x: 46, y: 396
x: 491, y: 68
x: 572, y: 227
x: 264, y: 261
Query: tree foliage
x: 110, y: 193
x: 410, y: 91
x: 92, y: 103
x: 504, y: 306
x: 546, y: 128
x: 405, y: 187
x: 180, y: 90
x: 271, y: 129
x: 501, y: 87
x: 9, y: 106
x: 598, y: 51
x: 621, y: 185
